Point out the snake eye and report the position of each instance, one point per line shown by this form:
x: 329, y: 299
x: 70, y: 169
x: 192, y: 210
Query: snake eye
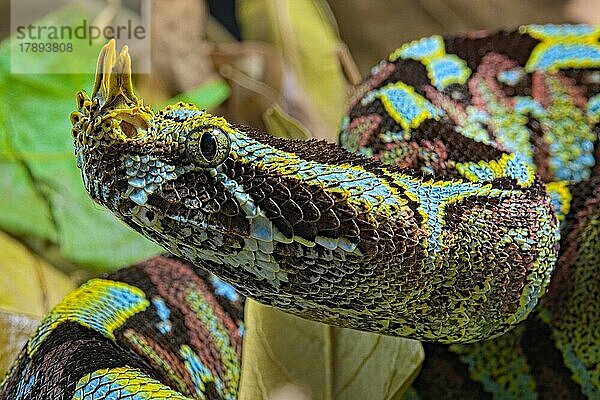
x: 208, y: 146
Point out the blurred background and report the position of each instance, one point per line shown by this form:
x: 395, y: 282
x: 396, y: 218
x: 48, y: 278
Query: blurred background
x: 283, y: 66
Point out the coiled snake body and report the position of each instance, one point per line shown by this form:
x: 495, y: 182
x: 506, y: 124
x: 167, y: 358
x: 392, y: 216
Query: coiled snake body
x: 478, y: 148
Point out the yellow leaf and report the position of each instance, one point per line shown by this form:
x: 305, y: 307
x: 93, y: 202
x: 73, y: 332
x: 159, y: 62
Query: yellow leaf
x: 28, y: 284
x: 29, y: 288
x: 281, y: 124
x: 282, y: 351
x: 16, y: 330
x: 306, y: 34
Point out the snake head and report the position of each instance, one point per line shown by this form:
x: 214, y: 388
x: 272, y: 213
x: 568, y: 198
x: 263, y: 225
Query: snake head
x: 175, y: 175
x: 125, y: 150
x: 112, y: 119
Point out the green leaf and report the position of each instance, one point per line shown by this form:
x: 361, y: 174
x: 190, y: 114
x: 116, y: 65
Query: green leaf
x: 20, y: 201
x: 208, y: 95
x: 41, y: 193
x: 327, y: 362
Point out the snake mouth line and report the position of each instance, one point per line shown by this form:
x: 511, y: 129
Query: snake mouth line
x: 113, y: 86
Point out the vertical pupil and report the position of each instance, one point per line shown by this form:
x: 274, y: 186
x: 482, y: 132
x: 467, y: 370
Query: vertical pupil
x: 208, y: 146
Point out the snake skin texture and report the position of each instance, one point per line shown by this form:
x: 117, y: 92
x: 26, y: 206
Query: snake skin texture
x: 158, y: 330
x: 534, y: 93
x: 319, y: 231
x: 475, y: 153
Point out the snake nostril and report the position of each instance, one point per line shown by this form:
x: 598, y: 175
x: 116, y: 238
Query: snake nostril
x: 128, y: 129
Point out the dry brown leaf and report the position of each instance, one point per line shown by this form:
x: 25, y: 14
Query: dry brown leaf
x: 254, y: 73
x: 586, y: 11
x: 385, y: 25
x: 260, y: 81
x: 180, y: 55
